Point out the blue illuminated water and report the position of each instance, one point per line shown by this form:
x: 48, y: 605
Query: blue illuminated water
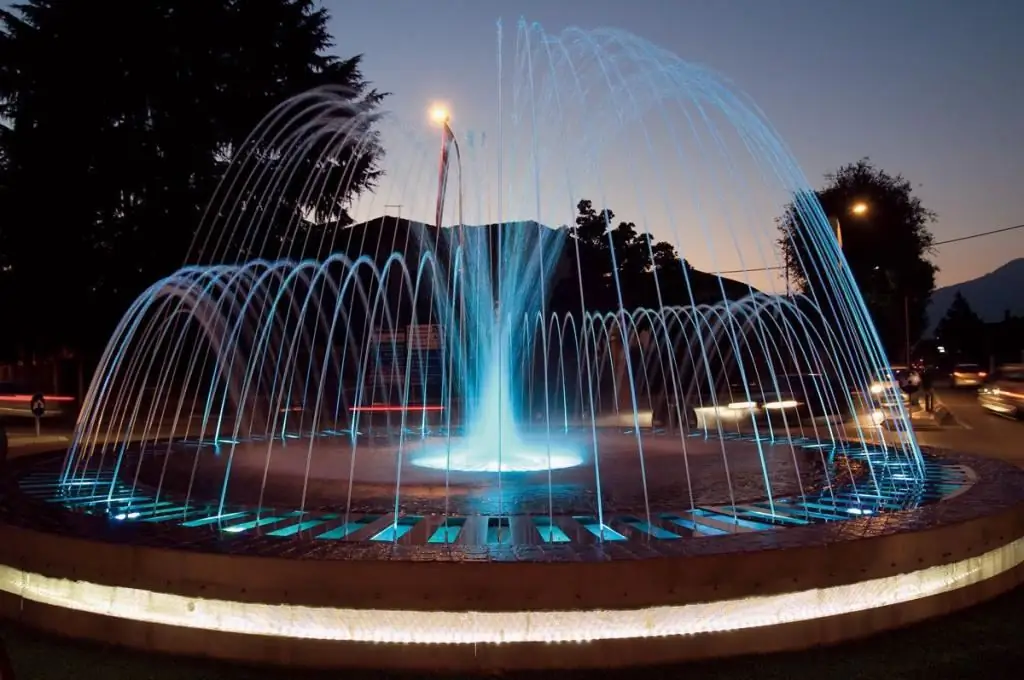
x: 428, y: 359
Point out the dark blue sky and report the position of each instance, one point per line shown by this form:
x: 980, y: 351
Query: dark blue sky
x: 933, y: 89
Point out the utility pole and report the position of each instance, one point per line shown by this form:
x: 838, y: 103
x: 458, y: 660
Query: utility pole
x: 906, y: 324
x: 398, y: 218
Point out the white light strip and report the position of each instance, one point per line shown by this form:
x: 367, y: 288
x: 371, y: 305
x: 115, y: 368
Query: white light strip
x: 785, y: 403
x: 421, y: 627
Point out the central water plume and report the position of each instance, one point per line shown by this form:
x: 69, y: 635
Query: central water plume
x: 500, y: 282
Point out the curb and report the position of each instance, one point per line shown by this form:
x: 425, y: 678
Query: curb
x: 28, y: 440
x: 943, y: 416
x: 6, y: 671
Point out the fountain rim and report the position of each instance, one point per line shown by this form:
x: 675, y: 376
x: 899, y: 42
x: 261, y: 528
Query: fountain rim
x: 204, y: 541
x: 201, y: 539
x: 935, y: 558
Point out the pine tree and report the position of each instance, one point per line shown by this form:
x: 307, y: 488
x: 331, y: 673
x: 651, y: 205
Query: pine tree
x: 118, y: 118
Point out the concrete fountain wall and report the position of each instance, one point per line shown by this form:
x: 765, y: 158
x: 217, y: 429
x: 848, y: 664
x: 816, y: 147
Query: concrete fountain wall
x: 978, y: 537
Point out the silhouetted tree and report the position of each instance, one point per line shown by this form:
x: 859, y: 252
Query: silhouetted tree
x: 677, y: 280
x: 1006, y: 339
x: 5, y: 249
x: 961, y: 330
x: 592, y: 253
x: 633, y: 257
x: 886, y: 247
x: 118, y: 118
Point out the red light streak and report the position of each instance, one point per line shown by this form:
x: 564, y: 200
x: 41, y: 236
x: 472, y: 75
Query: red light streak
x: 25, y: 398
x: 393, y: 409
x: 377, y: 408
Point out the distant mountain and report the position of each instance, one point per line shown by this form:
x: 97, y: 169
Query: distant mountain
x: 381, y: 236
x: 990, y: 296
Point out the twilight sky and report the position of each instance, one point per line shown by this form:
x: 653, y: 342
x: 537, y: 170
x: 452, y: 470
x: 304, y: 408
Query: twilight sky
x: 932, y: 89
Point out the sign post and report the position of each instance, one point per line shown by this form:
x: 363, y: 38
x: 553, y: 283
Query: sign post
x: 38, y: 410
x: 3, y: 457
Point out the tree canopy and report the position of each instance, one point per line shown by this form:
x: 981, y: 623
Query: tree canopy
x: 961, y: 331
x: 117, y: 121
x: 885, y: 242
x: 649, y: 273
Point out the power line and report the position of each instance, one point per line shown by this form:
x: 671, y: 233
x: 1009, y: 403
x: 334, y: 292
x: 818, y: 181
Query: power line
x: 958, y: 239
x: 984, y: 233
x: 755, y: 269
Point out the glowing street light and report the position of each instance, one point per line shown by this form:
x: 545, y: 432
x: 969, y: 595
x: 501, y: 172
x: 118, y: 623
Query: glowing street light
x: 439, y: 114
x: 860, y: 208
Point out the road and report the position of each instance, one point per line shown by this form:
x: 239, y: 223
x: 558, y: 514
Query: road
x: 958, y: 642
x: 23, y: 442
x: 976, y: 430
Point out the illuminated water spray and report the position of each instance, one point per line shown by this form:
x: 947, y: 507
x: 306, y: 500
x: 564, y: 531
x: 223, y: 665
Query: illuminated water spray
x: 563, y: 338
x: 494, y: 438
x: 491, y: 296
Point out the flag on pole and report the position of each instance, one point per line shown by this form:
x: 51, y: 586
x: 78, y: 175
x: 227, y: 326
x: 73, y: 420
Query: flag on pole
x: 837, y: 229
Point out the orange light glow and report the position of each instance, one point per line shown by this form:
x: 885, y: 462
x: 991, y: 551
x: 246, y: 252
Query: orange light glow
x: 439, y: 114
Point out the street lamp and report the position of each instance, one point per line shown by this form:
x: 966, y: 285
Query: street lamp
x: 860, y: 208
x: 440, y: 116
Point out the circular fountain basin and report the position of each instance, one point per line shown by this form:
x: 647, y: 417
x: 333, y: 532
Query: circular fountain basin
x: 472, y: 608
x: 630, y: 472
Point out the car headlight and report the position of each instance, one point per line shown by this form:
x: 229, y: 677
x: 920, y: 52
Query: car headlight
x: 877, y: 388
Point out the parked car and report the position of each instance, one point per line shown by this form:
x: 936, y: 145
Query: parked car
x: 792, y: 398
x: 1004, y: 392
x: 967, y: 375
x: 888, y: 392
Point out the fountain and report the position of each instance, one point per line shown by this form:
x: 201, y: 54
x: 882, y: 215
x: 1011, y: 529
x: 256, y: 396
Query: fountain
x: 395, y: 357
x: 493, y: 390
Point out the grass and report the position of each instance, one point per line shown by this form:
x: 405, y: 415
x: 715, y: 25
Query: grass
x: 982, y: 642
